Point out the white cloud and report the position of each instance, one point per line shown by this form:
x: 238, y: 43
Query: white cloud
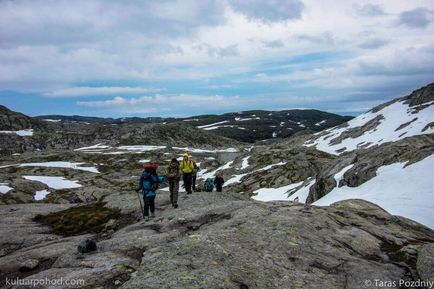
x: 96, y: 91
x: 57, y: 48
x: 158, y: 100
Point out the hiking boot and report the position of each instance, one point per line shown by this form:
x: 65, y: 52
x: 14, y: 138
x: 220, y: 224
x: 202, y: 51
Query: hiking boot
x: 147, y: 219
x: 152, y: 215
x: 175, y: 206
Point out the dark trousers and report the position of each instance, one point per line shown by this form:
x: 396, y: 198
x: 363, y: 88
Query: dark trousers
x: 194, y: 182
x: 187, y: 182
x: 149, y: 205
x: 174, y: 188
x: 219, y: 188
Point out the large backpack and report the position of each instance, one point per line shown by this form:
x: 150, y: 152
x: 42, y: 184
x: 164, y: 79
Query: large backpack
x: 209, y: 185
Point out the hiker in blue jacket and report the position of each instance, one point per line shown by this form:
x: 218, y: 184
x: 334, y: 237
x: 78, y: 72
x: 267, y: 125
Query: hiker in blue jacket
x: 148, y: 185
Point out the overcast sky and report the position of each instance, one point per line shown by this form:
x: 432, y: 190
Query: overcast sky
x: 186, y: 57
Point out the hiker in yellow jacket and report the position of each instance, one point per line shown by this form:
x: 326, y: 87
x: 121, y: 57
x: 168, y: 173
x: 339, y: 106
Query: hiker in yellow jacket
x: 187, y: 167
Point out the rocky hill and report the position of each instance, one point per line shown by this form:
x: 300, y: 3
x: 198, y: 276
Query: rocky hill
x: 348, y: 207
x: 384, y: 156
x: 245, y: 126
x: 22, y: 133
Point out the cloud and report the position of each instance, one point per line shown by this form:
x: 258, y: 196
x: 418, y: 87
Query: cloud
x: 274, y: 43
x: 369, y: 10
x: 96, y: 91
x: 111, y: 53
x: 416, y: 18
x: 373, y: 43
x: 270, y: 10
x: 183, y: 100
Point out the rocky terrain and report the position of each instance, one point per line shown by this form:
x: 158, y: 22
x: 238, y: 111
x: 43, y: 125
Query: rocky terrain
x: 20, y: 133
x: 347, y: 207
x: 379, y: 156
x: 244, y: 126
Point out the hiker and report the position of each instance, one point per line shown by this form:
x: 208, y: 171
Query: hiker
x: 187, y: 167
x: 196, y: 169
x: 218, y: 182
x: 148, y: 184
x: 208, y: 185
x: 173, y: 175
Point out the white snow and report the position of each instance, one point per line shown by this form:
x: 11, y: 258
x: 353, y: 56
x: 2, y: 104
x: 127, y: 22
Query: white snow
x: 271, y: 194
x: 40, y: 195
x: 213, y: 124
x: 56, y: 183
x: 405, y: 191
x: 395, y: 115
x: 321, y: 122
x: 24, y: 132
x: 302, y: 193
x: 52, y: 120
x: 145, y: 161
x: 271, y: 166
x: 219, y: 126
x: 245, y: 163
x: 66, y: 165
x: 274, y: 134
x: 213, y: 173
x: 94, y: 147
x: 141, y: 148
x: 247, y: 118
x: 338, y: 177
x: 195, y: 150
x: 4, y: 188
x: 191, y: 119
x: 234, y: 179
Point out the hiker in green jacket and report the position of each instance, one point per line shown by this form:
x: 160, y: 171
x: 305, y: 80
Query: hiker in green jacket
x: 173, y: 175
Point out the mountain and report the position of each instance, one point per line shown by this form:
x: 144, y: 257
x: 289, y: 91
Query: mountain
x: 245, y: 126
x: 22, y: 133
x: 251, y: 126
x: 347, y: 207
x: 384, y: 156
x: 14, y: 121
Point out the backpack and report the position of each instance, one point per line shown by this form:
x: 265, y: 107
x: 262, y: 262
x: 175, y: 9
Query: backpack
x: 209, y: 185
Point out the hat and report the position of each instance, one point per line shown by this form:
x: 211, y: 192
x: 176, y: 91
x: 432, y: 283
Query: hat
x: 145, y: 166
x: 185, y: 155
x: 154, y: 166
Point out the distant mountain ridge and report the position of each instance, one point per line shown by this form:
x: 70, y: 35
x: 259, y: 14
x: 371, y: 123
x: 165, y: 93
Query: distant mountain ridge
x: 245, y: 126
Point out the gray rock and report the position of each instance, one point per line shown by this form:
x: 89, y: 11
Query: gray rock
x: 28, y: 265
x: 87, y: 246
x: 425, y: 262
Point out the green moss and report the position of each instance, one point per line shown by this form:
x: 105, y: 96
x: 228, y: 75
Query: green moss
x: 78, y: 220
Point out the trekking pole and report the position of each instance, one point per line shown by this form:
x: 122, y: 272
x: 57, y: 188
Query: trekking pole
x: 141, y: 206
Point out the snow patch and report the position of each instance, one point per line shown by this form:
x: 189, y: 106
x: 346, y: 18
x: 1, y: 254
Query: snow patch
x: 213, y: 173
x: 394, y: 116
x: 302, y: 193
x: 399, y: 189
x: 245, y: 163
x: 56, y: 183
x: 4, y: 188
x: 66, y: 165
x: 274, y: 194
x: 94, y: 147
x: 40, y: 195
x: 212, y: 124
x: 24, y: 132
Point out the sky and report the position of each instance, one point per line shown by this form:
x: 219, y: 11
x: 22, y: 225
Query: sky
x: 181, y: 58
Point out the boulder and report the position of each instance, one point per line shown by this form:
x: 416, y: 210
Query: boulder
x: 86, y: 246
